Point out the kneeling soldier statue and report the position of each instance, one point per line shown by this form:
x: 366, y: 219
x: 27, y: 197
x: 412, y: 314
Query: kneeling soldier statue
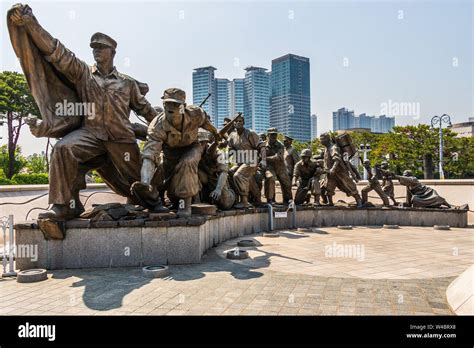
x: 175, y: 131
x: 306, y: 176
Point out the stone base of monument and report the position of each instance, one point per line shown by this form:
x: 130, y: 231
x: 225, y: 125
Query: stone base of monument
x: 143, y: 242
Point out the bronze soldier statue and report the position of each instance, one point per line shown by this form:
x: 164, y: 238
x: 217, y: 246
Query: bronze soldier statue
x: 387, y: 182
x: 418, y: 194
x: 291, y: 155
x: 263, y: 137
x: 175, y: 131
x: 213, y: 169
x: 246, y: 146
x: 276, y: 168
x: 307, y: 175
x: 337, y: 174
x: 105, y: 139
x: 373, y: 177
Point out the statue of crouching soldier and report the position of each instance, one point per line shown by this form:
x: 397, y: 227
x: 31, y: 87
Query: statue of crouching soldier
x: 306, y: 175
x: 175, y: 132
x: 213, y: 174
x: 421, y: 196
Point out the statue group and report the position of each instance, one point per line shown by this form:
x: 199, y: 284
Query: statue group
x: 185, y: 159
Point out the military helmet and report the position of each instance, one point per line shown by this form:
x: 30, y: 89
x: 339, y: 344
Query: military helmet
x: 306, y: 153
x: 174, y: 95
x: 272, y: 131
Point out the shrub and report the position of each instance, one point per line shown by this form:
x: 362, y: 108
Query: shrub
x: 30, y: 179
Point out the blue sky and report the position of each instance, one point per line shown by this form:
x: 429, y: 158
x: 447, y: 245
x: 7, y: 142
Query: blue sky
x: 399, y: 51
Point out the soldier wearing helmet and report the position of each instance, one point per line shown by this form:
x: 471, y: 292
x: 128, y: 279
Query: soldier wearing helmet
x: 307, y: 174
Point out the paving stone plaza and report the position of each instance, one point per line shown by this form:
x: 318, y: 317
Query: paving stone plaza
x: 324, y: 271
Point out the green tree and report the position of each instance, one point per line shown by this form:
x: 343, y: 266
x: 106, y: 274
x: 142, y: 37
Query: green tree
x: 18, y: 161
x: 37, y: 163
x: 16, y: 102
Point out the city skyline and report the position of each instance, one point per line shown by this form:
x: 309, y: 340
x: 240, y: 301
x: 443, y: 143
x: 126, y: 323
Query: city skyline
x: 380, y: 53
x: 345, y: 119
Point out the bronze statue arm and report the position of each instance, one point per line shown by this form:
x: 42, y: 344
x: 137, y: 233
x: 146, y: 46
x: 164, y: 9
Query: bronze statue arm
x: 53, y: 50
x: 23, y: 16
x: 207, y: 125
x: 140, y: 104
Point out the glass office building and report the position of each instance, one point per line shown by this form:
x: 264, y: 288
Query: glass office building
x: 257, y: 98
x: 290, y: 96
x: 203, y: 84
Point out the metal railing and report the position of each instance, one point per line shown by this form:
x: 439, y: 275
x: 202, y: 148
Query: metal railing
x: 7, y: 223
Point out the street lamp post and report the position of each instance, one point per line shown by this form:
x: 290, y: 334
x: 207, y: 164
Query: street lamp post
x: 365, y: 148
x: 438, y: 121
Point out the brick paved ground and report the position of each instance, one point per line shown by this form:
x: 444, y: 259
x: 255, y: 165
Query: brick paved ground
x: 271, y: 282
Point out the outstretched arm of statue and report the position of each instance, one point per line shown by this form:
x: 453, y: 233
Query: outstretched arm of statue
x: 23, y: 16
x: 207, y: 125
x: 54, y: 51
x: 151, y: 155
x: 140, y: 104
x: 221, y: 180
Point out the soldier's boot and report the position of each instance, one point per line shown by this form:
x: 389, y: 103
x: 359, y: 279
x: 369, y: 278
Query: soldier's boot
x: 60, y: 212
x: 184, y: 212
x: 79, y: 206
x: 244, y: 203
x: 359, y: 202
x: 148, y: 197
x: 324, y: 199
x: 329, y: 201
x: 316, y: 200
x: 394, y: 200
x: 385, y: 200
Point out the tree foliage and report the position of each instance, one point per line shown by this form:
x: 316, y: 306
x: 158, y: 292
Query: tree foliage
x: 16, y: 102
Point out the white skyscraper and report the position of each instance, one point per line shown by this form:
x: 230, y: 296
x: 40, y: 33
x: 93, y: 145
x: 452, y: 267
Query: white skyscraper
x: 314, y: 126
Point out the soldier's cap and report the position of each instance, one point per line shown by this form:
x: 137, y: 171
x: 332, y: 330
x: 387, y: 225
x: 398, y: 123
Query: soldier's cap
x: 262, y: 135
x: 227, y: 119
x: 174, y: 95
x: 407, y: 173
x: 272, y: 131
x: 288, y: 137
x: 100, y: 39
x: 306, y: 153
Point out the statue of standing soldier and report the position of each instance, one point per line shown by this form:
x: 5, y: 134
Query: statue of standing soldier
x: 373, y: 177
x: 102, y: 139
x: 387, y: 182
x: 276, y: 169
x: 175, y: 131
x: 337, y: 172
x: 246, y: 146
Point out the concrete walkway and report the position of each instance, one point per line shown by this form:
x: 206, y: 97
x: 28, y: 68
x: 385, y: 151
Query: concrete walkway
x: 403, y: 271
